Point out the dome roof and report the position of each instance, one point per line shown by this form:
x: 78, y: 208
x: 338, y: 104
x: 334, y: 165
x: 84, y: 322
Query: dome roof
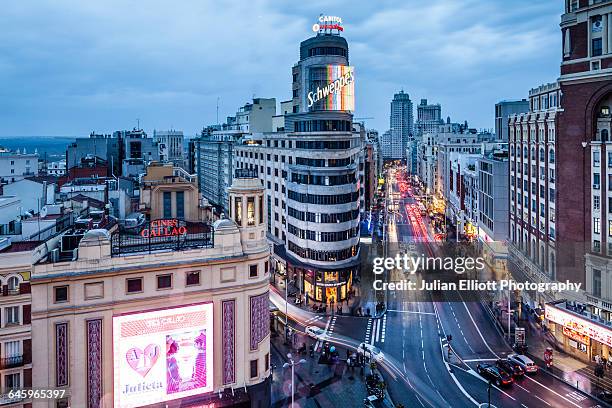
x: 224, y: 223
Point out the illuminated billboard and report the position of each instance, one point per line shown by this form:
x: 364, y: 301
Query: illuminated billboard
x: 578, y: 325
x: 162, y: 355
x: 332, y: 87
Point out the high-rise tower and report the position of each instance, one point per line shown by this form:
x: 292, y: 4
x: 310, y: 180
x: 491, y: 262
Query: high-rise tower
x: 401, y: 121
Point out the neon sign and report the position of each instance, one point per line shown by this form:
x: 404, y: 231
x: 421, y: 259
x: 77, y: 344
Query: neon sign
x: 328, y: 23
x: 338, y: 94
x: 164, y: 228
x: 578, y: 325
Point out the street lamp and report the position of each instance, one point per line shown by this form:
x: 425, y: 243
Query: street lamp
x: 292, y: 364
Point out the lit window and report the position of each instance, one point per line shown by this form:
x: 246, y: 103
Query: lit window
x: 251, y: 211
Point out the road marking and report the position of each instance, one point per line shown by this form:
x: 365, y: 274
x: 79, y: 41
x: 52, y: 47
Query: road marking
x: 523, y: 388
x: 410, y: 311
x: 542, y: 400
x: 378, y: 330
x: 373, y: 337
x: 553, y: 391
x: 384, y: 329
x: 319, y: 343
x: 575, y: 395
x: 478, y: 330
x: 523, y: 405
x: 478, y: 360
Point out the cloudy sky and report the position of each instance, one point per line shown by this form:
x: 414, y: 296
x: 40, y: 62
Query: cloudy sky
x: 72, y: 67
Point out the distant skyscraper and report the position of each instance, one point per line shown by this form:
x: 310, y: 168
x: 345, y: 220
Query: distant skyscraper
x: 505, y: 109
x: 429, y: 117
x: 401, y: 123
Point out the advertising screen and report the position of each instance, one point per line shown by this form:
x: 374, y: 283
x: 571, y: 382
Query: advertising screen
x: 162, y: 355
x: 332, y: 87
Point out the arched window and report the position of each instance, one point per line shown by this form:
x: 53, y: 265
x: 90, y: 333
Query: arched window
x: 525, y: 152
x: 532, y: 153
x: 542, y: 158
x: 551, y: 156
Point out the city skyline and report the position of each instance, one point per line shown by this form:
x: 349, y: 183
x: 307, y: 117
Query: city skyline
x: 109, y: 72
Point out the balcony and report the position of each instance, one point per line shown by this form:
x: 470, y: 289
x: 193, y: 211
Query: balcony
x: 11, y: 362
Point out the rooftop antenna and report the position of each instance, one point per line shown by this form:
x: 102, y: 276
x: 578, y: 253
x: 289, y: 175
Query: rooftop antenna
x: 217, y: 111
x: 138, y: 123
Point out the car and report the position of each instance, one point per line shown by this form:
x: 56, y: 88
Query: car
x: 495, y: 374
x: 315, y: 332
x: 524, y: 362
x: 605, y: 396
x: 511, y: 368
x: 370, y: 350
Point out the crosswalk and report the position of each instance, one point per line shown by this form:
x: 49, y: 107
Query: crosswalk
x: 312, y: 320
x: 576, y: 396
x: 376, y: 330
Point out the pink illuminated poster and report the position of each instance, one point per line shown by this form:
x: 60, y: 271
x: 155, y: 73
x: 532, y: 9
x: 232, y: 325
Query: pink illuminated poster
x: 162, y: 355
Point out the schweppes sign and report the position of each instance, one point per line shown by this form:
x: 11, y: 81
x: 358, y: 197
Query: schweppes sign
x: 338, y: 93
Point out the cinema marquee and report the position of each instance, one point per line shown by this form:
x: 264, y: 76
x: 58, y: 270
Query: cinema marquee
x: 164, y: 228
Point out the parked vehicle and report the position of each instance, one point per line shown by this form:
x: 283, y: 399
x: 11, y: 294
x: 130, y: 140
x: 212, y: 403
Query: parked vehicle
x: 524, y: 362
x: 511, y: 368
x: 495, y: 374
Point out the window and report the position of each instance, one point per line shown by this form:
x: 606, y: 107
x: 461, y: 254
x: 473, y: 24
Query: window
x: 164, y: 281
x: 610, y: 228
x: 192, y: 278
x: 251, y: 211
x: 238, y: 210
x: 596, y: 282
x: 60, y: 294
x: 180, y: 205
x: 13, y: 284
x: 596, y: 158
x: 551, y: 156
x: 11, y: 315
x: 253, y: 271
x: 596, y: 202
x: 12, y: 349
x: 267, y: 362
x: 596, y: 181
x: 596, y: 225
x: 167, y: 204
x: 596, y: 49
x: 134, y: 285
x: 253, y: 368
x: 12, y: 381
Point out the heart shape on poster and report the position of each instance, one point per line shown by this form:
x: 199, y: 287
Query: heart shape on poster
x: 142, y: 361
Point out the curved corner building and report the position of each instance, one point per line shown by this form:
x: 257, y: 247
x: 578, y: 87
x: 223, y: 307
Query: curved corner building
x: 312, y: 169
x: 322, y: 243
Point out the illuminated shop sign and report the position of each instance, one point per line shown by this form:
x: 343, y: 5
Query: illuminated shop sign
x: 164, y: 228
x: 339, y: 91
x: 328, y: 23
x: 578, y: 325
x: 574, y: 335
x: 162, y: 355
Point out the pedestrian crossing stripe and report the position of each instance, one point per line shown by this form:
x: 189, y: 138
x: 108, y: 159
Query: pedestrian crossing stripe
x: 576, y: 396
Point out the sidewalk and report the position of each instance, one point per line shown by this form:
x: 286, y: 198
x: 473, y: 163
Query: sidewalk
x: 316, y: 385
x: 354, y: 306
x: 566, y: 368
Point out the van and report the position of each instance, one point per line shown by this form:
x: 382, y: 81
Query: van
x: 134, y: 221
